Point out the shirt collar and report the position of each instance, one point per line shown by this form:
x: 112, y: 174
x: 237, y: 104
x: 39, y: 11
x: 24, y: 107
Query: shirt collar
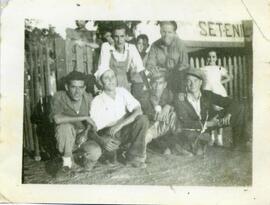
x: 162, y: 45
x: 112, y: 48
x: 191, y: 98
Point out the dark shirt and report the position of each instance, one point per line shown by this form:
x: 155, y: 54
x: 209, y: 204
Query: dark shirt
x: 188, y: 117
x: 62, y: 104
x: 148, y: 102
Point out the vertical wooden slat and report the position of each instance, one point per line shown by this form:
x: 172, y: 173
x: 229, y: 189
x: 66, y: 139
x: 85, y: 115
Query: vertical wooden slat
x: 47, y: 71
x: 202, y: 62
x: 219, y: 61
x: 244, y: 77
x: 197, y: 62
x: 36, y: 84
x: 60, y: 58
x: 89, y: 57
x: 230, y: 70
x: 79, y: 58
x: 240, y: 83
x: 41, y: 71
x: 236, y: 79
x: 69, y: 57
x: 224, y: 62
x: 191, y: 62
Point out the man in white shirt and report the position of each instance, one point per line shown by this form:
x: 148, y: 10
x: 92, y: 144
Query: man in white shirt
x: 119, y: 120
x: 124, y: 59
x: 197, y: 117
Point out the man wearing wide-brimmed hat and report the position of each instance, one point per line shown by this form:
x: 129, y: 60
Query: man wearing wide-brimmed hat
x: 119, y: 120
x: 158, y: 106
x: 196, y: 115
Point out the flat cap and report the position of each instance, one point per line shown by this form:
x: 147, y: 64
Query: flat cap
x: 197, y: 72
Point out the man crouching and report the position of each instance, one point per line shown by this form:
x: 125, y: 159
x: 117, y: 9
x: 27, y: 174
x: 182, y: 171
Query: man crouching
x: 70, y: 113
x: 119, y: 120
x: 157, y: 104
x: 196, y: 115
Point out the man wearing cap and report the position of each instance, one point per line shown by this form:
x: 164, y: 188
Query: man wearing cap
x: 196, y: 115
x: 70, y: 113
x: 157, y: 105
x: 119, y: 120
x: 168, y: 54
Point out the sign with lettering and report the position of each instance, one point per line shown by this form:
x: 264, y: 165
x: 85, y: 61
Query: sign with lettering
x: 212, y: 31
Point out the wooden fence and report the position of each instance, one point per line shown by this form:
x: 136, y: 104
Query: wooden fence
x: 48, y: 58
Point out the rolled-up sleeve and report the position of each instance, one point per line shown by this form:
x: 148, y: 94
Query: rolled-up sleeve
x: 131, y: 102
x: 97, y: 114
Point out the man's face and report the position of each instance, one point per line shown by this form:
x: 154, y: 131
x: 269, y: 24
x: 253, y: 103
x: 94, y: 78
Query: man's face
x: 193, y: 84
x: 212, y: 58
x: 158, y: 85
x: 119, y: 37
x: 75, y: 89
x: 167, y: 33
x: 109, y: 81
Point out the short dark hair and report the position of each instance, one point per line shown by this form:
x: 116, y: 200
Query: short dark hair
x: 143, y: 37
x: 173, y: 23
x: 75, y: 75
x: 119, y: 26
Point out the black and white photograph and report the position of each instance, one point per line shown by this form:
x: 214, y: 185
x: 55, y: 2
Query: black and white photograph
x: 142, y: 102
x: 135, y: 102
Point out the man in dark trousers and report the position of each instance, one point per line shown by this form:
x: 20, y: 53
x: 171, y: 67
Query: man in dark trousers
x: 70, y: 113
x: 196, y: 115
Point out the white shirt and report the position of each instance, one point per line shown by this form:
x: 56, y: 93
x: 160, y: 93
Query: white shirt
x: 196, y: 103
x: 105, y: 110
x: 135, y: 61
x: 213, y: 76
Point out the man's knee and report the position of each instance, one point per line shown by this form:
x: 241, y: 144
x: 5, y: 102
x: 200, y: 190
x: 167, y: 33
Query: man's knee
x: 65, y: 130
x: 65, y: 136
x: 92, y: 150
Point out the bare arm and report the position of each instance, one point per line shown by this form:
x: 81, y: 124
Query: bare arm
x: 226, y: 78
x: 60, y: 118
x: 125, y: 121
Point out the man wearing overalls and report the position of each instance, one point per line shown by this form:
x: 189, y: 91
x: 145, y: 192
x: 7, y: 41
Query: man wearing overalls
x: 124, y: 59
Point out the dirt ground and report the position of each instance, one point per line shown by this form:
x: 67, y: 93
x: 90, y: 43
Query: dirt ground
x: 219, y: 167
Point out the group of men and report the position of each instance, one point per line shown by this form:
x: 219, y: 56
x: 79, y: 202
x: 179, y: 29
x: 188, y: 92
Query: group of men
x: 121, y: 120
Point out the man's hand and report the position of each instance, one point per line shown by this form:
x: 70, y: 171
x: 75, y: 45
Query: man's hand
x: 213, y: 122
x: 164, y: 114
x: 225, y: 121
x: 114, y: 129
x: 81, y: 137
x: 109, y: 144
